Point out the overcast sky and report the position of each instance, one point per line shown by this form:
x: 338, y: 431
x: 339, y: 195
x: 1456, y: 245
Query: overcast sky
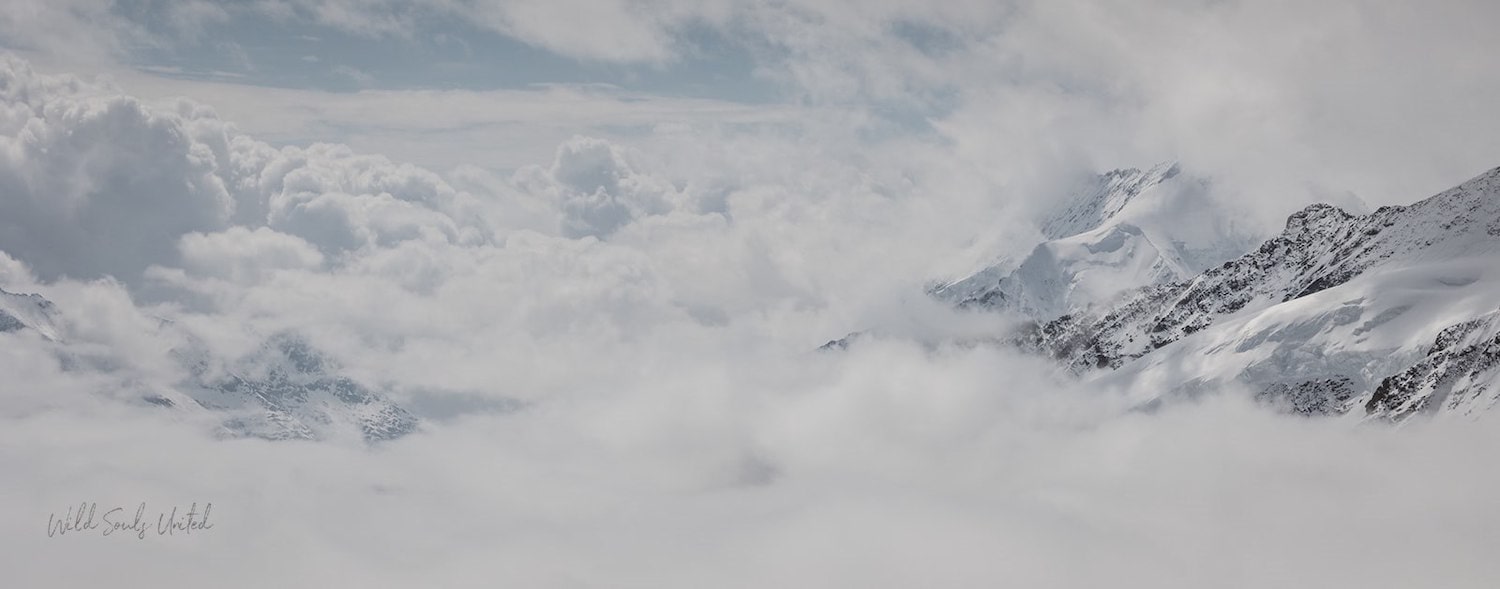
x: 1287, y: 99
x: 633, y: 220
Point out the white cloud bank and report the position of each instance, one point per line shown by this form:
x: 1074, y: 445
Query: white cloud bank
x: 597, y: 189
x: 886, y: 468
x: 99, y: 183
x: 1280, y: 102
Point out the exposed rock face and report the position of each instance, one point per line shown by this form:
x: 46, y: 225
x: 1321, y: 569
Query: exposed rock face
x: 1461, y: 373
x: 288, y: 390
x: 9, y: 323
x: 1337, y: 313
x: 1322, y: 247
x: 1319, y: 396
x: 284, y: 390
x: 1389, y: 314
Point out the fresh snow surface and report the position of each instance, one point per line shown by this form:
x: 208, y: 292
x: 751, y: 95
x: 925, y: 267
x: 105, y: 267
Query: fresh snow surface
x: 18, y: 311
x: 1391, y: 313
x: 285, y: 389
x: 1357, y: 334
x: 1127, y: 229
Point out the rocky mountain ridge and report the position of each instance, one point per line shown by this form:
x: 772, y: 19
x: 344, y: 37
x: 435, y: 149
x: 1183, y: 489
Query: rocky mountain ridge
x: 1280, y: 318
x: 284, y: 389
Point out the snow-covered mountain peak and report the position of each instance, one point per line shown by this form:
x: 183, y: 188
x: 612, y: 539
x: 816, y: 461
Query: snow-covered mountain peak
x: 1103, y: 197
x: 1129, y: 229
x: 20, y: 311
x: 288, y: 389
x: 1317, y: 316
x: 1316, y: 218
x: 285, y: 389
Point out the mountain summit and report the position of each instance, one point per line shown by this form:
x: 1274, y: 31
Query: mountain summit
x: 1391, y: 311
x: 1124, y: 229
x: 285, y: 389
x: 1104, y: 197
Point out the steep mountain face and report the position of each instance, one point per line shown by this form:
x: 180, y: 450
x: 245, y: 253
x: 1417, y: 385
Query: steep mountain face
x: 285, y: 389
x: 1315, y: 396
x: 1322, y: 247
x: 1459, y: 374
x: 1318, y: 317
x: 1129, y: 228
x: 20, y: 311
x: 1104, y: 198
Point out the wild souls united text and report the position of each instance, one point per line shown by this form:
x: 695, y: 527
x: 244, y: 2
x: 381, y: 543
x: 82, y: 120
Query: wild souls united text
x: 87, y: 517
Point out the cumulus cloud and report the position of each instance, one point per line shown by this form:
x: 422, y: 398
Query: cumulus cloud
x: 100, y: 183
x: 88, y: 173
x: 340, y: 201
x: 14, y: 273
x: 244, y: 254
x: 596, y: 189
x: 1273, y: 100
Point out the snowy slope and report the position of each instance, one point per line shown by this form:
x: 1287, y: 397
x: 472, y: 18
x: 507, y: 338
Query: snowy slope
x: 1459, y: 374
x: 1319, y: 317
x: 1128, y: 229
x: 19, y: 311
x: 285, y: 389
x: 1323, y: 353
x: 1103, y: 198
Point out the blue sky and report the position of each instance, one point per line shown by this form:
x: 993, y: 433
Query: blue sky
x: 1027, y: 90
x: 437, y: 52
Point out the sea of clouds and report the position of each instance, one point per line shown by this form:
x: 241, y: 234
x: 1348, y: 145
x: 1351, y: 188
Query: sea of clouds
x: 613, y: 356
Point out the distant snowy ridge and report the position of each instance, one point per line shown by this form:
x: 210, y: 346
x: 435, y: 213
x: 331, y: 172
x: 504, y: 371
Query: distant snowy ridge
x: 1125, y: 229
x: 1321, y: 316
x: 1103, y: 198
x: 285, y: 389
x: 18, y: 311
